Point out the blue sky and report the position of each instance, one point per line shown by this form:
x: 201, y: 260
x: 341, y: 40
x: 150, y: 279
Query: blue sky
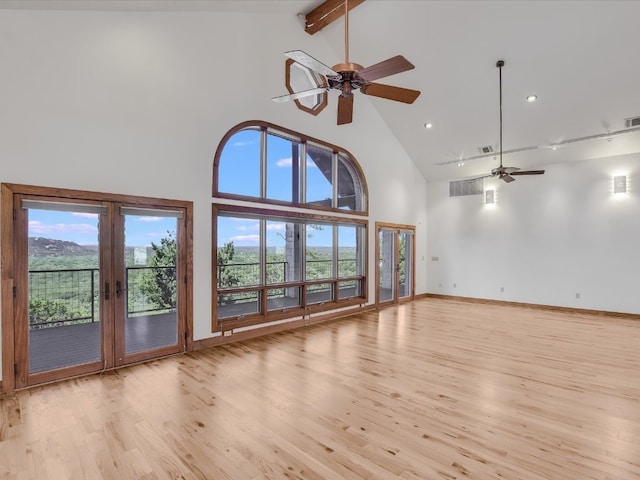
x: 82, y: 228
x: 239, y: 173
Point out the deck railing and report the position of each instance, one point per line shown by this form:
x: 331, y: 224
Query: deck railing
x: 236, y: 274
x: 70, y: 296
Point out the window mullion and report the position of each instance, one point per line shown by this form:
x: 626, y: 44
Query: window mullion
x: 334, y: 179
x: 334, y: 251
x: 303, y: 172
x: 263, y: 163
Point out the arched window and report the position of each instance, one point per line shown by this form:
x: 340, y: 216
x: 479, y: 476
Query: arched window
x: 307, y: 256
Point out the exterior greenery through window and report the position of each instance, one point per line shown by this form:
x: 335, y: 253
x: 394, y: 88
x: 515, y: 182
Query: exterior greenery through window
x: 273, y: 264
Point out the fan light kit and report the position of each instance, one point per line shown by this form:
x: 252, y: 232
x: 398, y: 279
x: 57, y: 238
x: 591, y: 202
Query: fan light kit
x: 532, y: 98
x: 428, y: 125
x: 348, y: 77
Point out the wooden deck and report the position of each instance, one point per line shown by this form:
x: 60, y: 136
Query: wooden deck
x: 433, y: 389
x: 57, y: 347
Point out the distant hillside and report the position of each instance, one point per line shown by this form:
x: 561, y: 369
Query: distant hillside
x: 41, y: 247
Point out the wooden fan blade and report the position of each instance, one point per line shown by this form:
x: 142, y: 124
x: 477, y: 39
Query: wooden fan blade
x: 385, y: 68
x: 301, y: 94
x: 345, y: 108
x: 507, y: 178
x: 528, y: 172
x: 510, y: 170
x: 389, y: 92
x: 308, y: 61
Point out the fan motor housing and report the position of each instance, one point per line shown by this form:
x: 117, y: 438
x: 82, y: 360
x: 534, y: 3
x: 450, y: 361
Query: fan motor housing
x: 347, y: 67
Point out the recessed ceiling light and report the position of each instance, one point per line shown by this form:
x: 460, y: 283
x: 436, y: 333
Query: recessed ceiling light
x: 532, y: 98
x: 428, y: 125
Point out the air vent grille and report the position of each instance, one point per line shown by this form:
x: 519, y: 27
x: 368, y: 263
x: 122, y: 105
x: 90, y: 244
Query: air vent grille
x: 632, y: 122
x: 487, y: 149
x: 460, y: 188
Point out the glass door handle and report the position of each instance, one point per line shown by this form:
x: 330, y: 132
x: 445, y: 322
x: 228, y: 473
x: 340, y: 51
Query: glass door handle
x: 107, y: 290
x: 118, y: 289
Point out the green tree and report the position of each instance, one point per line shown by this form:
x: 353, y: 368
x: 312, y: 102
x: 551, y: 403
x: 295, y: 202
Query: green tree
x: 227, y: 275
x: 159, y: 284
x: 42, y: 310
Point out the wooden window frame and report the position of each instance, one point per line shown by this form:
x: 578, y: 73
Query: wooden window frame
x: 297, y: 137
x: 264, y: 315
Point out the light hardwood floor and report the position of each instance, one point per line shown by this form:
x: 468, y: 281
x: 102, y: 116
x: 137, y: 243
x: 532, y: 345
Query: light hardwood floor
x: 434, y: 389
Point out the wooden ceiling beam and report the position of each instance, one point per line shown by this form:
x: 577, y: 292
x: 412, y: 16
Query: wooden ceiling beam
x: 326, y: 13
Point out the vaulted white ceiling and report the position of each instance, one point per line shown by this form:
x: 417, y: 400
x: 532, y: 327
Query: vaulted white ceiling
x: 579, y: 57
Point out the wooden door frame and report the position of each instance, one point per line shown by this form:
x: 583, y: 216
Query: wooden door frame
x: 397, y: 228
x: 9, y: 274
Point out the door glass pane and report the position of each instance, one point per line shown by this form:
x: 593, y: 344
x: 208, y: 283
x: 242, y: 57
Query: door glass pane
x: 149, y: 286
x: 405, y: 262
x: 64, y: 287
x: 386, y: 264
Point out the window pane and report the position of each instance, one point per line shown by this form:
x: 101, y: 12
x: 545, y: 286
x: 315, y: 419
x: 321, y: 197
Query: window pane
x: 319, y: 252
x: 283, y: 298
x: 239, y: 166
x: 319, y: 176
x: 347, y: 252
x: 282, y: 168
x: 349, y: 289
x: 238, y: 304
x: 284, y: 251
x: 350, y: 191
x: 319, y: 293
x: 238, y: 253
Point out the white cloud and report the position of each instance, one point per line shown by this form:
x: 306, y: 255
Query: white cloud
x: 149, y: 219
x: 39, y: 228
x: 276, y: 226
x: 84, y: 215
x: 287, y: 162
x: 284, y: 162
x: 241, y: 143
x: 246, y: 239
x: 245, y: 228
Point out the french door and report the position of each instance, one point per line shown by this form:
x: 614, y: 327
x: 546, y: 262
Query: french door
x: 98, y: 283
x: 395, y: 263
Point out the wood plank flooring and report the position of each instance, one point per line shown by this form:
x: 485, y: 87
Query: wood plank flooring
x: 433, y: 389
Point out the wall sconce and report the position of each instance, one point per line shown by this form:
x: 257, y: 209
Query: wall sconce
x: 620, y: 184
x: 488, y: 197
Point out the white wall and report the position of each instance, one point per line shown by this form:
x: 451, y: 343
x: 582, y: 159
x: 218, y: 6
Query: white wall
x: 137, y: 102
x: 546, y: 239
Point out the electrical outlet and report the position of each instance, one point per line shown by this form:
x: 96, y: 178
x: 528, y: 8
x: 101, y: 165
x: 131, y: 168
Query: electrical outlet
x: 227, y: 333
x: 577, y: 295
x: 502, y: 289
x: 440, y: 285
x: 454, y: 285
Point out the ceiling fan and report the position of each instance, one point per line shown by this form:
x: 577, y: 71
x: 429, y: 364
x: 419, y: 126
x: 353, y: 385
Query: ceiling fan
x: 502, y: 172
x: 348, y: 77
